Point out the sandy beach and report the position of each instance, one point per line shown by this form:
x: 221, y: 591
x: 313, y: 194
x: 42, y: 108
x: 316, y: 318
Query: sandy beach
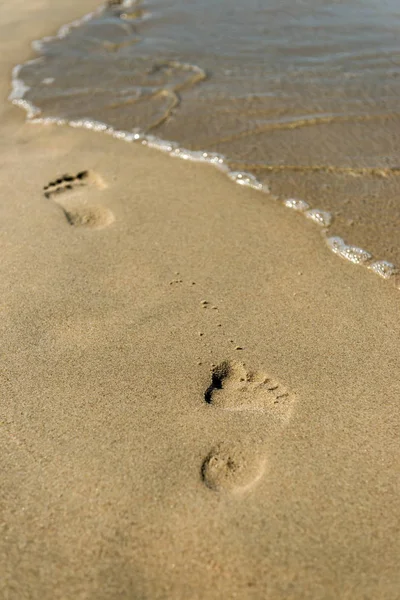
x: 198, y: 399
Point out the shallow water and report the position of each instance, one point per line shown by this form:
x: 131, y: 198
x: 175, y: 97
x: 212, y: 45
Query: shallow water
x: 301, y: 93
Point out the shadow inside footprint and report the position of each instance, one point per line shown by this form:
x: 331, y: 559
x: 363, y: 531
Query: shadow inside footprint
x: 234, y: 388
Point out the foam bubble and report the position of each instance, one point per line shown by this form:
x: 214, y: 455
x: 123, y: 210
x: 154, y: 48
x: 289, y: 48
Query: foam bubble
x: 18, y: 91
x: 164, y: 146
x: 31, y: 109
x: 38, y: 45
x: 184, y: 154
x: 213, y: 158
x: 91, y: 124
x: 126, y: 136
x: 296, y: 204
x: 246, y: 179
x: 18, y: 87
x: 353, y: 254
x: 321, y: 217
x: 383, y: 268
x: 48, y: 121
x: 195, y: 156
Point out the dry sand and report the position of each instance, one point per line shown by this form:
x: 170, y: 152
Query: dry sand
x: 128, y: 470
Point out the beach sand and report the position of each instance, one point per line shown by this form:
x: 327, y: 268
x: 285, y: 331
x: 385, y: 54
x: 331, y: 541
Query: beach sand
x: 198, y: 399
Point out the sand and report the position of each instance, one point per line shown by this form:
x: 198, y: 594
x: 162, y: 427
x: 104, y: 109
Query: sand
x: 198, y: 399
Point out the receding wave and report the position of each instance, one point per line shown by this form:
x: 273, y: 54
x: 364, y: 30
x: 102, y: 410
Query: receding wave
x: 299, y: 101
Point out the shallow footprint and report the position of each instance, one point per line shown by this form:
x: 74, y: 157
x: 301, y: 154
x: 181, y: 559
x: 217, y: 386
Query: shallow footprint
x: 77, y: 211
x: 94, y: 217
x: 234, y: 388
x: 231, y: 469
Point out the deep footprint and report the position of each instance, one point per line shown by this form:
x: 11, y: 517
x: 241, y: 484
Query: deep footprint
x: 234, y: 388
x: 77, y: 212
x: 232, y: 467
x: 66, y: 183
x: 231, y: 470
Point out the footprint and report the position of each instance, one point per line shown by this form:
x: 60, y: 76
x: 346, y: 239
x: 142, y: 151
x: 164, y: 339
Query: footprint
x: 95, y: 217
x: 234, y: 388
x: 67, y: 183
x: 231, y: 469
x: 77, y: 212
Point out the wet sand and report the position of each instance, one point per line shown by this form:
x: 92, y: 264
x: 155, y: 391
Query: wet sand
x: 198, y: 400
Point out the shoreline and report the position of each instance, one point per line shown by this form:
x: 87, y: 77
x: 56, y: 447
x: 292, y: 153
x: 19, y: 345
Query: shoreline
x: 322, y: 218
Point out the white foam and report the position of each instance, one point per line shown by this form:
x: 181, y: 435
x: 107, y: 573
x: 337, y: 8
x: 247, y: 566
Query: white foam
x: 321, y: 217
x: 37, y: 45
x: 183, y: 154
x: 91, y: 124
x: 31, y: 109
x: 18, y: 87
x: 356, y: 255
x: 164, y: 146
x: 18, y: 91
x: 196, y: 156
x: 48, y: 121
x: 247, y: 179
x: 126, y: 136
x: 383, y: 268
x: 215, y: 159
x: 296, y: 204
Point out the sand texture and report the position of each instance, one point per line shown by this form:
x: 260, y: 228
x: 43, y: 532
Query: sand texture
x: 198, y: 399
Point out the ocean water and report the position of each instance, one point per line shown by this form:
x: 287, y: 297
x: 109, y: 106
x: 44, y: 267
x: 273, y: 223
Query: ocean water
x: 299, y: 97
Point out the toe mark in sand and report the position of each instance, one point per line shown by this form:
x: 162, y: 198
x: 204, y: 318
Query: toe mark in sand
x: 237, y: 389
x: 67, y: 183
